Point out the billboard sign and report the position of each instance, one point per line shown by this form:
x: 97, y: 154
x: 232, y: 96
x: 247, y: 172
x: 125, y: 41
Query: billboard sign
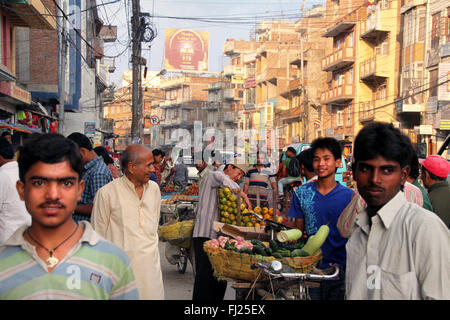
x: 186, y: 50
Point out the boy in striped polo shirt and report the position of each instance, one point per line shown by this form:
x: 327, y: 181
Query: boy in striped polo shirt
x: 56, y: 258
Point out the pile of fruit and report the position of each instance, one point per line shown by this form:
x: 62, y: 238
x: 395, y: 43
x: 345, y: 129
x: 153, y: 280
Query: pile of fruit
x: 192, y: 190
x: 168, y: 188
x: 177, y: 197
x: 228, y: 208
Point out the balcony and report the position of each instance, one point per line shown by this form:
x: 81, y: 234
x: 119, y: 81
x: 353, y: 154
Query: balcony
x: 367, y: 111
x: 345, y: 24
x: 229, y: 117
x: 338, y: 94
x: 339, y: 59
x: 30, y: 13
x: 294, y: 87
x: 370, y: 74
x: 373, y: 29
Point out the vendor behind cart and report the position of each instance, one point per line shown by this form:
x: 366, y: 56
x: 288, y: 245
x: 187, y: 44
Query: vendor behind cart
x: 206, y: 287
x: 257, y: 180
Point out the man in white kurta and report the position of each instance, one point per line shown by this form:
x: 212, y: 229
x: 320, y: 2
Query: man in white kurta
x: 130, y: 221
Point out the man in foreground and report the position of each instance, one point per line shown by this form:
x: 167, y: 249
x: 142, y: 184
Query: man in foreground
x: 56, y: 258
x: 399, y: 250
x: 127, y: 211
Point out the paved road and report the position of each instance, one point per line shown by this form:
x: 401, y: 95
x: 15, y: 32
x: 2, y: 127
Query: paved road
x: 179, y: 286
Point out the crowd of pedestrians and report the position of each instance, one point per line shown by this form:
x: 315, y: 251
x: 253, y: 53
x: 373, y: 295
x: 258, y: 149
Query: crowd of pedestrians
x: 78, y: 222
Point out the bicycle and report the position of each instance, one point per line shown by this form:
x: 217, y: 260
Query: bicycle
x: 280, y: 277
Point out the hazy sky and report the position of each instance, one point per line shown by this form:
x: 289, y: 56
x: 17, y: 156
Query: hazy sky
x: 240, y: 16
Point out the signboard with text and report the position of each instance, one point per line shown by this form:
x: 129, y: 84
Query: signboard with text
x: 186, y: 50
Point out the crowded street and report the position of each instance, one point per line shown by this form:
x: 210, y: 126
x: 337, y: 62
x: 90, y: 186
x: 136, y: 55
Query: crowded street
x: 225, y: 156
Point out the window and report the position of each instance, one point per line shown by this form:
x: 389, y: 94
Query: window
x: 349, y: 115
x: 434, y: 82
x: 435, y: 30
x: 384, y: 4
x: 338, y: 44
x: 339, y: 118
x: 350, y: 76
x: 112, y: 109
x: 351, y: 39
x: 382, y: 90
x: 421, y: 30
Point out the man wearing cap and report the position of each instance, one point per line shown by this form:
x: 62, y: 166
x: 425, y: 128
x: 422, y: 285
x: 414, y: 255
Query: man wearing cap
x: 434, y: 174
x: 206, y: 287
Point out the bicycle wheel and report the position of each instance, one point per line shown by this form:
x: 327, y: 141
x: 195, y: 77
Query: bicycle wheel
x: 182, y: 263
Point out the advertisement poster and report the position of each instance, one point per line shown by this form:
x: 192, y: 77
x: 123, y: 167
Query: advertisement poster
x: 186, y: 50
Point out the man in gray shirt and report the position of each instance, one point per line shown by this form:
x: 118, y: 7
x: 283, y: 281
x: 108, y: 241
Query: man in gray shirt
x: 206, y: 287
x: 180, y: 174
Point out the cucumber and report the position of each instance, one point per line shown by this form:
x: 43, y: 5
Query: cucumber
x: 284, y: 252
x: 268, y: 251
x: 277, y: 255
x: 246, y: 250
x: 259, y: 250
x: 299, y: 253
x: 273, y: 245
x: 316, y: 241
x: 257, y: 242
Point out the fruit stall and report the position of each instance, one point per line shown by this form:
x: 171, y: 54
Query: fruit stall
x: 172, y: 200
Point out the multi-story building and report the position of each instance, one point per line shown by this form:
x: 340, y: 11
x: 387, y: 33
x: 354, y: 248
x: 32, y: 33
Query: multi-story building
x: 118, y: 114
x: 340, y: 63
x: 183, y: 104
x: 437, y: 113
x: 221, y: 107
x: 16, y: 18
x: 303, y: 118
x: 278, y: 44
x: 378, y: 63
x: 237, y: 71
x: 411, y: 104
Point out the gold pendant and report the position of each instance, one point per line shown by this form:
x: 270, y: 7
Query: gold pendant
x: 52, y: 261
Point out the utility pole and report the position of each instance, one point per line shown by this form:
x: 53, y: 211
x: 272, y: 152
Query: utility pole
x: 62, y: 75
x: 136, y: 61
x: 303, y: 91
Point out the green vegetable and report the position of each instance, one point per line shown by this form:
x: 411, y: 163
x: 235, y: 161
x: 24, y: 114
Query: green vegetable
x: 277, y: 255
x: 245, y: 250
x: 299, y: 253
x: 257, y: 242
x: 268, y: 251
x: 316, y: 241
x: 288, y: 235
x: 259, y: 250
x: 273, y: 245
x: 284, y: 252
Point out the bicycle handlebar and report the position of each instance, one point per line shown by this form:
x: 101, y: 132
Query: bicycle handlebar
x: 300, y: 276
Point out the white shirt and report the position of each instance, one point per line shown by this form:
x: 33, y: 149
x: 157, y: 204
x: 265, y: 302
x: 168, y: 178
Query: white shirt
x: 13, y: 213
x: 404, y: 255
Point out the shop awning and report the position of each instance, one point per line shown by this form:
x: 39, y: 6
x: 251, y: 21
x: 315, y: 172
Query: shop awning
x: 18, y: 127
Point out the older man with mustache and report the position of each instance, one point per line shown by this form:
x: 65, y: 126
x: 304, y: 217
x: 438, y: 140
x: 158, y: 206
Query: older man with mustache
x: 126, y: 212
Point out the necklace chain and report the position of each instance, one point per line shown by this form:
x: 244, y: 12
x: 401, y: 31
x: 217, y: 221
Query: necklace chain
x: 51, y: 251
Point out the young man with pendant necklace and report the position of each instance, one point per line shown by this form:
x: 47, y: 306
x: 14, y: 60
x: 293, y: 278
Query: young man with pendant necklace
x: 56, y: 257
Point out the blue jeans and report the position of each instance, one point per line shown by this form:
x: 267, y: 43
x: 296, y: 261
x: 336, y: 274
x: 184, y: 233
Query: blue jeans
x: 330, y: 289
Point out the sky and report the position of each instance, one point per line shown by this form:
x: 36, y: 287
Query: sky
x: 238, y: 22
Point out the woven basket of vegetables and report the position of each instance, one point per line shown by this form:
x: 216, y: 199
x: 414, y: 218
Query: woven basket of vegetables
x: 177, y: 233
x: 233, y: 262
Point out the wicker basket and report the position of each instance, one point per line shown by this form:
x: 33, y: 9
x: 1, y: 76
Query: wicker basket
x: 177, y: 233
x: 303, y: 264
x: 229, y: 263
x: 232, y: 264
